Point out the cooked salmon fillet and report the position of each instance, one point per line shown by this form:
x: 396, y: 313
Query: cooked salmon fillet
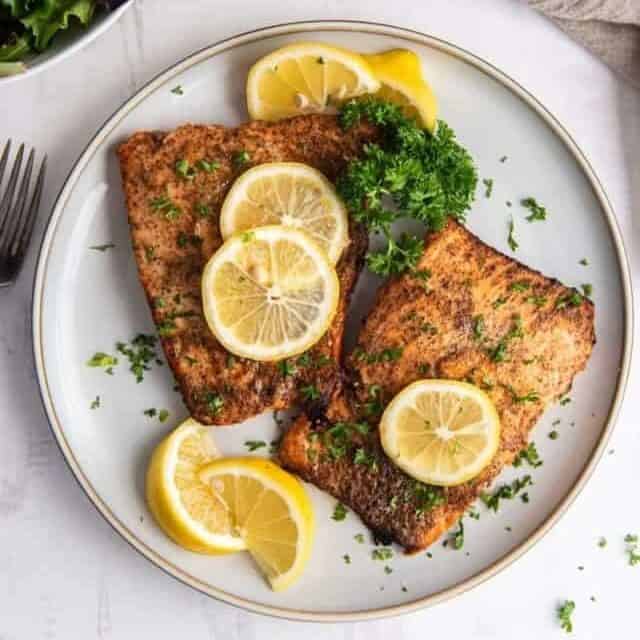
x: 173, y: 218
x: 469, y: 313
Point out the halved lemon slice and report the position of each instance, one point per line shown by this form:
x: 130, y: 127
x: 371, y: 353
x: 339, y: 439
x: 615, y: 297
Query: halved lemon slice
x: 441, y: 432
x: 269, y: 293
x: 306, y: 77
x: 271, y: 512
x: 186, y: 509
x: 288, y: 193
x: 400, y: 75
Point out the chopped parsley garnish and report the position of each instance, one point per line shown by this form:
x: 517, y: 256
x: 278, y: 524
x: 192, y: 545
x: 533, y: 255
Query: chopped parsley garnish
x: 488, y: 187
x: 177, y: 90
x: 287, y: 368
x: 274, y: 444
x: 387, y: 569
x: 165, y: 206
x: 310, y: 392
x: 478, y: 327
x: 359, y: 538
x: 247, y: 236
x: 386, y: 355
x: 230, y: 361
x: 632, y: 549
x: 140, y: 353
x: 538, y: 301
x: 320, y: 60
x: 103, y: 247
x: 565, y: 401
x: 503, y: 159
x: 573, y: 299
x: 149, y: 253
x: 208, y: 166
x: 428, y: 177
x: 163, y: 415
x: 424, y: 368
x: 382, y: 553
x: 254, y: 445
x: 602, y: 542
x: 498, y: 303
x: 347, y: 558
x: 474, y: 515
x: 565, y: 611
x: 339, y: 512
x: 240, y: 158
x: 166, y: 327
x: 531, y: 396
x: 538, y: 212
x: 103, y: 360
x: 587, y: 290
x: 427, y: 497
x: 584, y: 262
x: 553, y: 435
x: 499, y: 352
x: 374, y: 405
x: 458, y: 537
x: 150, y: 413
x: 203, y: 210
x: 366, y: 458
x: 505, y: 492
x: 529, y: 455
x: 511, y: 239
x: 95, y: 404
x: 520, y: 286
x: 185, y: 170
x: 214, y: 401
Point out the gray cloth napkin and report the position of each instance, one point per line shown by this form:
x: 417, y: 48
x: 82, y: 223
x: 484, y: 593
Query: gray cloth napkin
x: 609, y: 28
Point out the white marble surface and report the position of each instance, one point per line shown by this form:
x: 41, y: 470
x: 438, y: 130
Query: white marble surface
x: 65, y: 574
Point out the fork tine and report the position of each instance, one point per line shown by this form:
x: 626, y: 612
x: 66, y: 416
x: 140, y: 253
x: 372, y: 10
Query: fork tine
x: 27, y: 229
x: 5, y: 205
x: 14, y: 221
x: 5, y: 157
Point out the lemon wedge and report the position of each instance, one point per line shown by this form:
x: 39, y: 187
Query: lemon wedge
x: 271, y: 512
x: 186, y: 509
x: 441, y: 432
x: 269, y: 293
x: 288, y: 193
x: 306, y: 77
x: 400, y: 74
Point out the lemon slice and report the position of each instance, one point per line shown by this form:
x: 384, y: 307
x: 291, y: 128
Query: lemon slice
x: 269, y: 293
x: 187, y: 510
x: 401, y: 79
x: 441, y: 432
x: 271, y: 512
x: 306, y: 77
x: 288, y: 193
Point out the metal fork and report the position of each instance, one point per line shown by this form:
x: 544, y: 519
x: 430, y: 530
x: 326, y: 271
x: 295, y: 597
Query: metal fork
x: 16, y: 218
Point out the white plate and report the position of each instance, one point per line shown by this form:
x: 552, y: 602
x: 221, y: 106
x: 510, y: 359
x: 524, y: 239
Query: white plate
x: 84, y: 301
x: 68, y: 41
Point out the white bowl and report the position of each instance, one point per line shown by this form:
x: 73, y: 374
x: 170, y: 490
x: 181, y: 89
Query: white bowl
x: 66, y: 42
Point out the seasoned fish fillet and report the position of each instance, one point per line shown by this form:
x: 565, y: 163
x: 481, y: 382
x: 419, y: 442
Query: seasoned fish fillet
x: 174, y: 229
x: 471, y: 314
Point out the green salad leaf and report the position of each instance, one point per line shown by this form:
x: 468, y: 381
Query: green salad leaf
x: 29, y: 26
x: 51, y: 16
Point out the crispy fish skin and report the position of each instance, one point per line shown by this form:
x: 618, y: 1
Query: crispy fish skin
x: 472, y: 314
x: 171, y: 250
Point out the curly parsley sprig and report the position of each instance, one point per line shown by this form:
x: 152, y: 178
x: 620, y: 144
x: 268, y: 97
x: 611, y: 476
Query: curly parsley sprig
x: 411, y: 173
